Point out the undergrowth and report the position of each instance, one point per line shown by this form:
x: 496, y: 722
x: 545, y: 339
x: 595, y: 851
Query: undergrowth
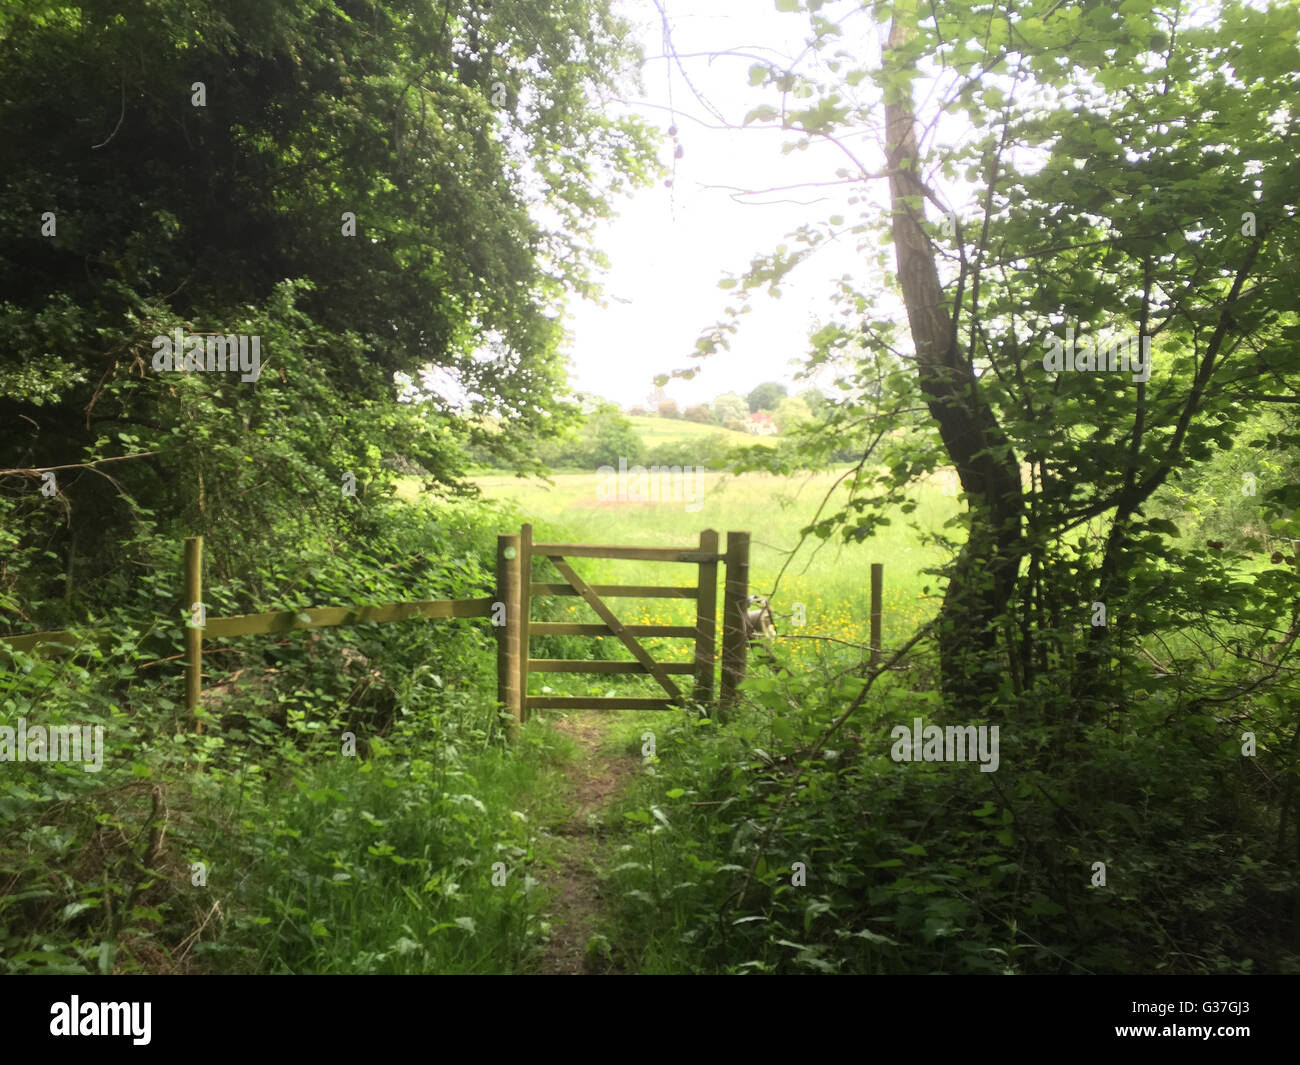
x: 351, y: 804
x: 750, y: 847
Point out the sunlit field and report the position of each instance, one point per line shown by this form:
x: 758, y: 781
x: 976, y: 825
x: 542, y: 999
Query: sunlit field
x: 654, y: 430
x: 830, y: 580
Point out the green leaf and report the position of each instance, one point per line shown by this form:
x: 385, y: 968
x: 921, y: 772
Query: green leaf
x: 73, y: 908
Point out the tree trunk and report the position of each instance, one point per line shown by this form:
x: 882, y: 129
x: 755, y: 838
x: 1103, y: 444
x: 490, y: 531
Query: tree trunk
x: 984, y: 578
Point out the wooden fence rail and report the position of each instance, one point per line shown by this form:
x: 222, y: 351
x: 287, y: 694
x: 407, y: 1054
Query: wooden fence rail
x: 199, y: 627
x: 510, y: 611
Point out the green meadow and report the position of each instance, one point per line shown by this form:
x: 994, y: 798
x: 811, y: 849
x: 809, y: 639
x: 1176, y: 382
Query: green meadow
x: 654, y: 431
x: 827, y: 581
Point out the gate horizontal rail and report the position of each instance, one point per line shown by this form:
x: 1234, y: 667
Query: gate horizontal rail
x: 582, y: 628
x: 574, y: 702
x: 640, y: 554
x: 624, y: 591
x: 587, y: 665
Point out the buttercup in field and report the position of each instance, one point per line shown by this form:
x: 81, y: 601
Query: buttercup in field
x: 209, y: 351
x: 657, y: 484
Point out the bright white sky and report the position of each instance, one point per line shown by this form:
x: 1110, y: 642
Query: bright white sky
x: 671, y: 246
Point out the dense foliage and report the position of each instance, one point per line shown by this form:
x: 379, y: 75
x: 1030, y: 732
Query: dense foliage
x: 376, y: 192
x: 349, y: 182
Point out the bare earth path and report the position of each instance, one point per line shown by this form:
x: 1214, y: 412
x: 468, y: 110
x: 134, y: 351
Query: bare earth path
x: 575, y: 850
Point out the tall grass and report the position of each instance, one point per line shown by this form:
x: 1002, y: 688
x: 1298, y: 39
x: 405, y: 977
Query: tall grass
x: 398, y: 864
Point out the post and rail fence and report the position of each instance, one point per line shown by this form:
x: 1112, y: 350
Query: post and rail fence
x: 510, y: 611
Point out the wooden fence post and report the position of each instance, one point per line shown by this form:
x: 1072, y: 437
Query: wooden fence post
x: 734, y: 604
x: 877, y: 580
x: 193, y: 636
x: 525, y: 606
x: 706, y: 620
x: 508, y: 598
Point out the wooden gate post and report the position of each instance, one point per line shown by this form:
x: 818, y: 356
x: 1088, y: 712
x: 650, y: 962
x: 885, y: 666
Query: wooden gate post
x: 706, y: 620
x: 734, y: 605
x: 508, y: 634
x: 193, y: 636
x: 525, y: 606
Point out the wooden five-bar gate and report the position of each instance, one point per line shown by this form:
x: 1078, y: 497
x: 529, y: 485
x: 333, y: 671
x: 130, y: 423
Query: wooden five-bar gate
x: 517, y: 589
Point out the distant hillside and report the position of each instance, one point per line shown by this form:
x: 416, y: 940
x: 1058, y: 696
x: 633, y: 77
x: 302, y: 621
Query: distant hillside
x: 654, y: 431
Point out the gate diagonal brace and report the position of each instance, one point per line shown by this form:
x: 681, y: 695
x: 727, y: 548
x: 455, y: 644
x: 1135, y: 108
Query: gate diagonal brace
x: 615, y: 626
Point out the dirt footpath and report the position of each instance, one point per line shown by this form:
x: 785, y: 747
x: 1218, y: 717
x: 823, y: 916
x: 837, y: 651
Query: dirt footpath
x: 577, y: 847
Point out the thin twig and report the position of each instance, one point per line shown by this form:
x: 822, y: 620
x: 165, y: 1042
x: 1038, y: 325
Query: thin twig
x: 122, y: 115
x: 31, y: 470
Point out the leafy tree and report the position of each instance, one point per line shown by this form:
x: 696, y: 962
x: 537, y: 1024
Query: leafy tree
x: 609, y: 436
x: 791, y: 412
x: 1046, y: 172
x: 698, y: 413
x: 729, y: 406
x: 1113, y: 214
x: 604, y: 437
x: 815, y: 400
x: 382, y: 157
x: 766, y: 396
x: 711, y: 453
x: 668, y: 409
